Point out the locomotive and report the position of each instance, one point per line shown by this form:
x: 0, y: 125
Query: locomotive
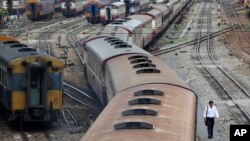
x: 30, y: 82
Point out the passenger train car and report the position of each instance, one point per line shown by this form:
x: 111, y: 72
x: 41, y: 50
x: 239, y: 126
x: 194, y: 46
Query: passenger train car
x: 72, y: 7
x: 18, y: 6
x: 58, y: 5
x: 113, y: 11
x: 146, y: 100
x: 40, y: 9
x: 106, y: 11
x: 30, y: 82
x: 92, y: 10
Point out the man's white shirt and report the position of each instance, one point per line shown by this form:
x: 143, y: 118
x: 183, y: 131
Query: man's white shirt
x: 211, y: 112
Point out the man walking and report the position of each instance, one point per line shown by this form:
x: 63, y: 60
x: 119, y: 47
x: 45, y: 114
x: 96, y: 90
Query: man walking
x: 209, y: 114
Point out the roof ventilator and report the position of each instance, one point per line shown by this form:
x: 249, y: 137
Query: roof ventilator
x: 118, y: 43
x: 18, y: 46
x: 116, y: 22
x: 148, y: 92
x: 148, y: 70
x: 27, y: 50
x: 133, y: 125
x: 10, y: 42
x: 110, y: 38
x: 139, y: 112
x: 137, y: 56
x: 123, y: 46
x: 113, y: 40
x: 144, y: 101
x: 143, y: 65
x: 139, y: 60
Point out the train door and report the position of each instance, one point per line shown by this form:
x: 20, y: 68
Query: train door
x: 93, y: 10
x: 68, y: 5
x: 36, y: 85
x: 33, y: 9
x: 108, y: 14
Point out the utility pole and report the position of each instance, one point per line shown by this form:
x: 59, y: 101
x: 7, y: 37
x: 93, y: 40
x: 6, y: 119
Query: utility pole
x: 9, y: 6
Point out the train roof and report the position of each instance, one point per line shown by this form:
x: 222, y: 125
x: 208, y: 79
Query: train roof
x: 12, y: 50
x: 118, y: 4
x: 154, y: 13
x: 163, y: 8
x: 143, y: 18
x: 106, y: 48
x: 114, y: 31
x: 168, y: 115
x: 138, y: 69
x: 128, y: 24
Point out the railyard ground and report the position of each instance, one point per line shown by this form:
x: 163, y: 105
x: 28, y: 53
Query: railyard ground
x: 185, y: 63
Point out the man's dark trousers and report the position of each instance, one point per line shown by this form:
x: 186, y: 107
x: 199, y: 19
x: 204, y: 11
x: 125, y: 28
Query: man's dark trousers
x: 210, y: 126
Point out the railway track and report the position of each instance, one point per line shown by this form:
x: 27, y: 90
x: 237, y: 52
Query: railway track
x: 43, y: 42
x: 27, y: 136
x: 242, y: 49
x: 192, y: 42
x: 234, y: 90
x: 82, y: 98
x: 68, y: 117
x: 71, y: 91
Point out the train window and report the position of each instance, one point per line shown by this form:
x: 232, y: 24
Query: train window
x: 139, y: 60
x: 144, y: 101
x: 148, y: 92
x: 133, y: 125
x: 123, y: 46
x: 18, y: 46
x: 137, y: 56
x: 10, y: 42
x: 139, y: 112
x: 148, y: 70
x: 27, y: 50
x: 143, y: 65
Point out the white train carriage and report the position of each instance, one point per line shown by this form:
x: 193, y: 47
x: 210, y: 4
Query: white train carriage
x: 18, y: 6
x: 134, y: 27
x: 97, y: 52
x: 58, y: 5
x: 147, y: 35
x: 111, y: 12
x: 39, y: 9
x: 156, y: 21
x: 134, y: 6
x: 165, y: 13
x: 72, y: 7
x: 144, y: 4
